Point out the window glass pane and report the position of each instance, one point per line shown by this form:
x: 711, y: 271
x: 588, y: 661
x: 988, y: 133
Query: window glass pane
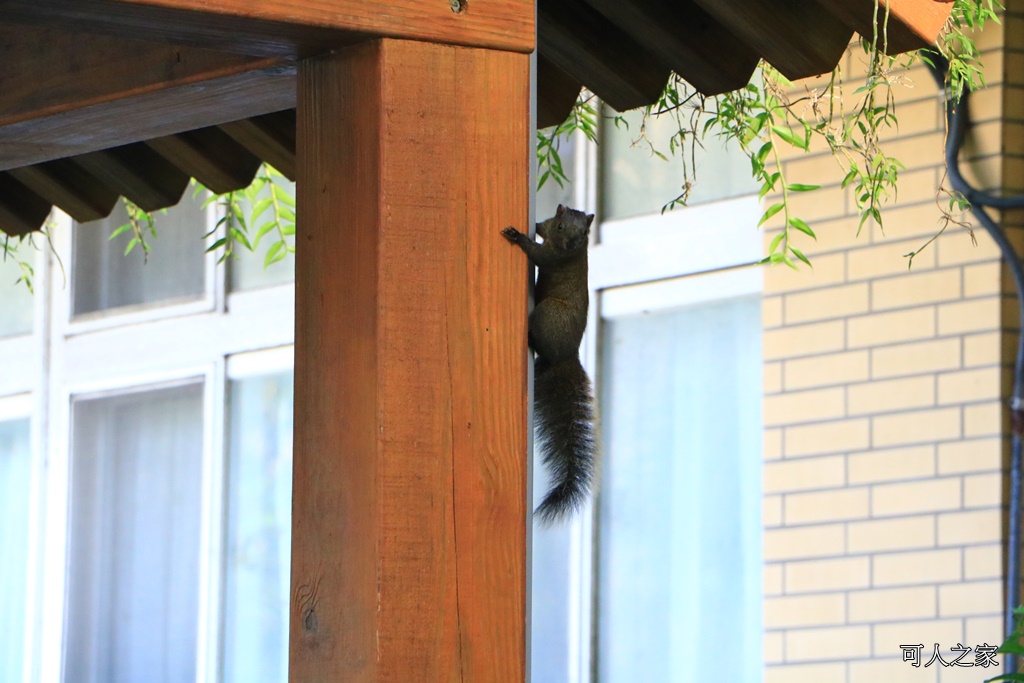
x: 247, y: 271
x: 15, y: 480
x: 104, y: 277
x: 15, y: 297
x: 679, y: 574
x: 634, y: 182
x: 133, y: 579
x: 549, y: 597
x: 259, y: 530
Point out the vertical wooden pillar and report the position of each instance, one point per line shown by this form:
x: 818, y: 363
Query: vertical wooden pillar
x: 409, y: 511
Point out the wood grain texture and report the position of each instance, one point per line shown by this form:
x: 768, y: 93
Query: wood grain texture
x: 21, y: 209
x: 138, y: 173
x: 70, y: 87
x: 210, y: 156
x: 557, y: 92
x: 409, y: 505
x: 911, y: 25
x: 288, y: 27
x: 70, y: 187
x: 270, y: 137
x: 687, y: 39
x: 583, y: 43
x: 797, y: 37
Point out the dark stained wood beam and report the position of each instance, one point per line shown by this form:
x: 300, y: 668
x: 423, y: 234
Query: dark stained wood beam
x: 688, y: 39
x: 409, y: 502
x: 797, y: 37
x: 911, y: 24
x: 21, y: 209
x: 210, y: 156
x: 73, y: 93
x: 271, y: 137
x: 288, y: 27
x: 138, y: 173
x: 593, y: 50
x: 68, y: 185
x: 557, y: 92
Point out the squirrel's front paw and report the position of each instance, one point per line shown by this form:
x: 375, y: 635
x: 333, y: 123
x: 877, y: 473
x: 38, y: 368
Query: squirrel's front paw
x: 511, y: 234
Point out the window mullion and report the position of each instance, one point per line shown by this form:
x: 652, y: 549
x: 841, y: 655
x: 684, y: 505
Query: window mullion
x: 211, y: 556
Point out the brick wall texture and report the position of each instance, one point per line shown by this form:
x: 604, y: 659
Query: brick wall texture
x: 886, y: 442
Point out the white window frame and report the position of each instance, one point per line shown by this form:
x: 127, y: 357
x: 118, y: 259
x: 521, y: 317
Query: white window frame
x: 219, y: 337
x: 683, y: 257
x: 212, y: 298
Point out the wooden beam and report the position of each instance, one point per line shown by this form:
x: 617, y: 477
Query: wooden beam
x: 68, y: 185
x: 138, y: 173
x: 409, y: 505
x: 911, y: 24
x: 270, y: 137
x: 687, y: 39
x: 287, y: 27
x: 210, y: 156
x: 557, y: 92
x: 21, y: 209
x: 797, y: 37
x: 74, y: 93
x: 593, y: 50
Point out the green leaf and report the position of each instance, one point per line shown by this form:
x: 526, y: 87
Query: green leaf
x: 282, y: 196
x: 264, y: 229
x: 800, y: 255
x: 772, y: 210
x: 802, y: 227
x: 775, y: 242
x: 800, y: 187
x: 789, y: 136
x: 258, y: 209
x: 239, y: 236
x: 118, y: 231
x: 1011, y: 646
x: 217, y: 245
x: 131, y: 245
x: 273, y: 254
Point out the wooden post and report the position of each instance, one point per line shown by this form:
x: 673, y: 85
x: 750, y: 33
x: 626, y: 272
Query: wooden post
x: 409, y: 509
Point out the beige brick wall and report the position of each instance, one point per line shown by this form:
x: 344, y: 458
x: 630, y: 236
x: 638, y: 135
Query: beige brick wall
x: 885, y: 428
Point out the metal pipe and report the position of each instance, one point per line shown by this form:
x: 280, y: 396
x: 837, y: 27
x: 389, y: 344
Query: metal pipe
x: 957, y: 118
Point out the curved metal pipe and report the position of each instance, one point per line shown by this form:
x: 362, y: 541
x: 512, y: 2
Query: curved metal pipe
x: 957, y: 118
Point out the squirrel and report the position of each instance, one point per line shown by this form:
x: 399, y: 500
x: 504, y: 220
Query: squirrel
x: 563, y: 398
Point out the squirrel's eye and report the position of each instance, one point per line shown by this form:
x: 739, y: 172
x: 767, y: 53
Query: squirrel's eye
x: 559, y: 226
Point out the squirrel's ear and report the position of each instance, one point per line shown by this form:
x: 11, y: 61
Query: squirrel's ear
x: 590, y: 219
x: 559, y: 211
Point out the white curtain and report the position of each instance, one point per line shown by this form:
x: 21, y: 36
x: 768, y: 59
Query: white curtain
x: 679, y: 571
x: 15, y: 482
x: 133, y: 577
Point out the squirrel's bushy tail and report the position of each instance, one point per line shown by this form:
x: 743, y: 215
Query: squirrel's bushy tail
x: 564, y: 415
